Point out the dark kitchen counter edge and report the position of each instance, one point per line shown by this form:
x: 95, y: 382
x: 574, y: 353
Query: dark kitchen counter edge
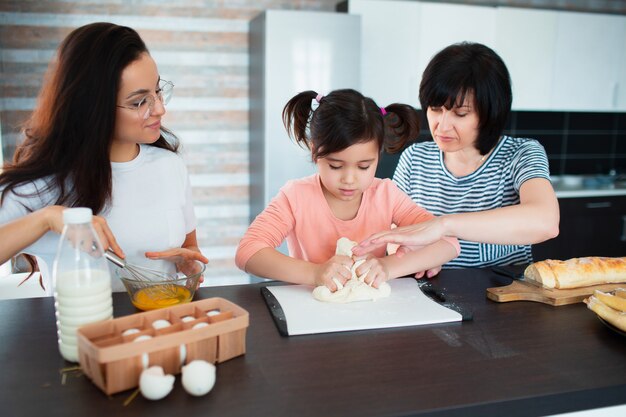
x: 553, y: 404
x: 581, y: 193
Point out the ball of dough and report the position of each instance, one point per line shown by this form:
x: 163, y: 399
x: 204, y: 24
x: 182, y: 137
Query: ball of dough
x: 355, y: 288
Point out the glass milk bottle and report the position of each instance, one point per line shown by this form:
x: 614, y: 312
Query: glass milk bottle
x: 81, y: 280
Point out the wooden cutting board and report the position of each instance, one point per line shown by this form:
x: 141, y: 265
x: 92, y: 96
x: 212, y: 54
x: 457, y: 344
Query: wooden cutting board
x: 525, y: 291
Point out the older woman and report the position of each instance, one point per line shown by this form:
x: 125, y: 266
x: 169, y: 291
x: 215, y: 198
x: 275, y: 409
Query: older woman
x: 491, y: 191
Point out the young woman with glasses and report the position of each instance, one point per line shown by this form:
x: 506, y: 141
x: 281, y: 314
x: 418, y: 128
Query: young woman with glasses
x: 95, y: 140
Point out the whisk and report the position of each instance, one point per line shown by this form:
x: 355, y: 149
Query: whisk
x: 140, y: 273
x: 145, y: 276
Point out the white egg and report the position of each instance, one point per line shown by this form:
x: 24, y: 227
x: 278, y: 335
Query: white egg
x: 145, y: 358
x: 154, y: 384
x: 130, y: 331
x: 199, y: 325
x: 142, y: 337
x: 198, y: 377
x: 188, y: 318
x: 160, y: 324
x: 213, y: 312
x: 182, y: 353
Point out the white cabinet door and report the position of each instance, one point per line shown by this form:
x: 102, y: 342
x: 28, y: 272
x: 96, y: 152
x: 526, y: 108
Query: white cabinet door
x: 557, y: 60
x: 586, y: 61
x: 620, y: 88
x: 441, y: 25
x: 389, y: 50
x: 399, y: 38
x: 526, y: 41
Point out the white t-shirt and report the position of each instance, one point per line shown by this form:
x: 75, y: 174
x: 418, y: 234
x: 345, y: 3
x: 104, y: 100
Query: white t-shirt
x: 150, y: 210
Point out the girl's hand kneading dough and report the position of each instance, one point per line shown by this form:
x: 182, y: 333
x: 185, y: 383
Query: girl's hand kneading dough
x: 334, y: 273
x: 374, y: 270
x: 355, y: 288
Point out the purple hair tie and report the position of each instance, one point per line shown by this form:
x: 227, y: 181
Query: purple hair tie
x: 319, y: 97
x: 383, y: 111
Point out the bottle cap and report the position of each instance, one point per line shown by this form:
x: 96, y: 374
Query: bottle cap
x: 77, y: 215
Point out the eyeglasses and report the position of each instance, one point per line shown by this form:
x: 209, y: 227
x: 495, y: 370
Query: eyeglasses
x: 145, y: 106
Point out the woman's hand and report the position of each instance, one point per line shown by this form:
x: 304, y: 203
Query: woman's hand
x: 375, y: 269
x: 429, y: 273
x: 53, y: 216
x: 106, y: 235
x: 337, y: 267
x: 416, y: 235
x: 183, y: 258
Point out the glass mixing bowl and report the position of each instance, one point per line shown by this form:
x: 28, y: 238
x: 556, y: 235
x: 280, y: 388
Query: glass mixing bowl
x: 159, y: 289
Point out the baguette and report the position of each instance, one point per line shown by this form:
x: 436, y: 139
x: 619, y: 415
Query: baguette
x: 616, y: 303
x: 577, y: 272
x: 616, y: 318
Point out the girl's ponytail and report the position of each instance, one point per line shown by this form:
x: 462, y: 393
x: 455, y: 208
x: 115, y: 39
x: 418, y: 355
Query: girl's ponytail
x: 296, y: 115
x: 402, y: 124
x: 345, y: 117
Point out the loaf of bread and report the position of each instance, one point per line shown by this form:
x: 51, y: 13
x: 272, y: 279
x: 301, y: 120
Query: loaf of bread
x: 577, y: 272
x: 609, y: 307
x: 615, y: 301
x: 620, y: 292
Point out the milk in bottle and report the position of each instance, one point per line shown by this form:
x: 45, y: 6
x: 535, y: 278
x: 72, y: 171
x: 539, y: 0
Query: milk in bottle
x: 81, y: 280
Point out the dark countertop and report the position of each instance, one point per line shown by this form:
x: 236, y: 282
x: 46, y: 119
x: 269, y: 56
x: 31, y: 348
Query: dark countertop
x: 513, y: 359
x: 576, y: 186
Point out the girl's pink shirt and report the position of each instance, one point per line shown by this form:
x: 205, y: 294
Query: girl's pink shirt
x: 301, y: 215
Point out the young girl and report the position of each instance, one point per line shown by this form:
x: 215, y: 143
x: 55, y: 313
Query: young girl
x: 345, y: 135
x: 95, y: 140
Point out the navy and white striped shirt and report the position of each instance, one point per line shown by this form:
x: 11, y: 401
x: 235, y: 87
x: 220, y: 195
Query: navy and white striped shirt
x: 421, y: 174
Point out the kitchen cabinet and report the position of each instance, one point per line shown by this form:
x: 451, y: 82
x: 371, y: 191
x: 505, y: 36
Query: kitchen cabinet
x: 620, y: 94
x: 587, y: 61
x: 390, y: 69
x: 528, y: 54
x: 567, y: 61
x: 399, y: 38
x: 558, y: 60
x: 594, y: 226
x: 445, y: 24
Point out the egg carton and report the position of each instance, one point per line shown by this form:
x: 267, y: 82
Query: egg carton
x: 113, y: 360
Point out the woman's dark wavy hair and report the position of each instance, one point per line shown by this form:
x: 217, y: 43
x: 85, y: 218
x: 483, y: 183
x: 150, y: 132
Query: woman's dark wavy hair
x: 346, y: 117
x: 69, y: 134
x: 470, y: 68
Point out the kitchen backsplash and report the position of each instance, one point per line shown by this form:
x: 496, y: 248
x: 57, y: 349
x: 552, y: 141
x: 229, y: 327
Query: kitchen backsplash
x: 576, y: 142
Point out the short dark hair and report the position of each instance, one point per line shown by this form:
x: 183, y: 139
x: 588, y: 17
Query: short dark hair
x: 470, y: 68
x: 346, y: 117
